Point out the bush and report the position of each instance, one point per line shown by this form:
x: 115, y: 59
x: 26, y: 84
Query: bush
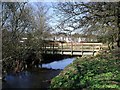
x: 102, y: 71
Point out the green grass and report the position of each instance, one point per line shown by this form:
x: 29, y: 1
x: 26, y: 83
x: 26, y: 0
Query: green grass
x: 99, y: 72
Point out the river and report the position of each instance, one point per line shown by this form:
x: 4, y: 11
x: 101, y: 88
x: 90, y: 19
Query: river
x: 36, y: 77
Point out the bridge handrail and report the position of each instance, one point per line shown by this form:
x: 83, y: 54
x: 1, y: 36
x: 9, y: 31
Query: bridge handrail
x: 83, y: 43
x: 74, y: 46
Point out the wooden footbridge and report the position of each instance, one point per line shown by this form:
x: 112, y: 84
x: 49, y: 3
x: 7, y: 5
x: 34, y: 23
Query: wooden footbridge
x: 72, y: 48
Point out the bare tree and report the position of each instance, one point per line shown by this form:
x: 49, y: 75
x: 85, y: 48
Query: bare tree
x: 24, y: 29
x: 16, y: 20
x: 99, y: 18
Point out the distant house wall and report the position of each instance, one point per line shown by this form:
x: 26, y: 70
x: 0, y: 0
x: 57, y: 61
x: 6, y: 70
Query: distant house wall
x: 66, y: 38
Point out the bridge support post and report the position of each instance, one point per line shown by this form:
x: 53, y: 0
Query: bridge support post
x: 53, y: 48
x: 93, y: 53
x: 93, y: 49
x: 82, y: 50
x: 82, y: 53
x: 44, y: 48
x: 62, y: 52
x: 71, y: 48
x: 62, y: 49
x: 71, y: 52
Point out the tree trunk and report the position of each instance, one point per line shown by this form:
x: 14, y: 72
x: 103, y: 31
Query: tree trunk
x: 118, y: 24
x: 118, y: 41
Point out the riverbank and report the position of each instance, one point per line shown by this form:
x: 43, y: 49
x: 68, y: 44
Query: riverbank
x: 35, y: 77
x: 99, y: 72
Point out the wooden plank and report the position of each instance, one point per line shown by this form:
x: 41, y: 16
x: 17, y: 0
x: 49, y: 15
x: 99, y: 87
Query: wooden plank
x: 73, y: 48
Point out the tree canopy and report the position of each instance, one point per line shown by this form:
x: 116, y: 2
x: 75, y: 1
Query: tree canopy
x: 100, y: 18
x: 22, y: 31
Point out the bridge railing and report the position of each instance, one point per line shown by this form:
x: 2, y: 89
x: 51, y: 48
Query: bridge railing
x: 81, y: 46
x: 74, y: 46
x: 71, y: 48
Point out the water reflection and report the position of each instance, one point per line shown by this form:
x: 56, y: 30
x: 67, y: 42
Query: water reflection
x: 36, y: 77
x: 19, y: 80
x: 59, y: 64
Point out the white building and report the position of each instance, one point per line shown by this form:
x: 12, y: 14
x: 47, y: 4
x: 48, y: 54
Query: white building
x: 66, y: 38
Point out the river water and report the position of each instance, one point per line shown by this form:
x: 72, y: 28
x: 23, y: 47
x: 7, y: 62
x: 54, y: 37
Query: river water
x: 36, y: 77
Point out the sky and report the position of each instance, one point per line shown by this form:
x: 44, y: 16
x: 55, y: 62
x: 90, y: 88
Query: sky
x: 48, y: 3
x: 50, y: 13
x: 60, y: 0
x: 50, y: 0
x: 53, y: 22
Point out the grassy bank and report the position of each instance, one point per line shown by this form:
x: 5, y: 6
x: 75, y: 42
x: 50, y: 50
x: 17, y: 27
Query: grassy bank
x: 101, y: 71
